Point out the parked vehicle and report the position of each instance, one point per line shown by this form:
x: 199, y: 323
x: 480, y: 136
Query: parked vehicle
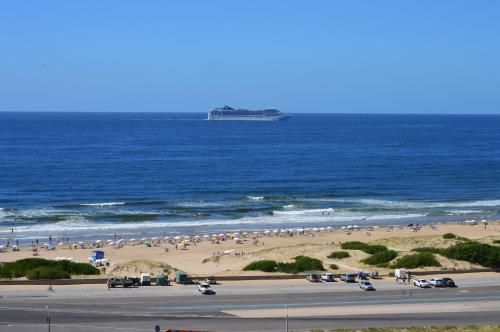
x: 313, y: 277
x: 114, y: 282
x: 400, y: 273
x: 211, y: 280
x: 328, y: 277
x: 362, y: 275
x: 145, y: 279
x: 181, y: 278
x: 348, y: 277
x: 448, y: 282
x: 436, y: 282
x: 204, y: 288
x: 374, y: 275
x: 422, y: 283
x: 366, y: 285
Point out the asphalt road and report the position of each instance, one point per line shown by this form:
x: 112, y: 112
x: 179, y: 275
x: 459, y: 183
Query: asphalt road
x: 141, y: 310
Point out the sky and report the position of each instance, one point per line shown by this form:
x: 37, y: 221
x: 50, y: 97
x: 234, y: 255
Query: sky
x: 299, y: 56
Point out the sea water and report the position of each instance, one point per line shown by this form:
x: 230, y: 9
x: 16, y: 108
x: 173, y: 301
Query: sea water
x: 91, y: 175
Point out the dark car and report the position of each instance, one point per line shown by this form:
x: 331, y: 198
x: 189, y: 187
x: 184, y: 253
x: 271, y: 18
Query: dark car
x: 313, y: 277
x: 448, y: 282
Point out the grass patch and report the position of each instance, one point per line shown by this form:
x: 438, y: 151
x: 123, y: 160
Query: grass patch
x: 380, y: 258
x: 300, y: 264
x: 449, y: 236
x: 339, y: 255
x: 369, y: 249
x: 334, y: 267
x: 421, y: 259
x: 39, y: 268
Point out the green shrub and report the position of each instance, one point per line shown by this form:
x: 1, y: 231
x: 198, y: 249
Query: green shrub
x: 449, y: 236
x: 429, y: 249
x: 334, y: 267
x: 381, y: 257
x: 369, y: 249
x: 421, y: 259
x: 45, y: 272
x: 21, y: 267
x: 476, y: 253
x: 496, y: 241
x: 339, y: 255
x: 264, y: 265
x: 300, y: 264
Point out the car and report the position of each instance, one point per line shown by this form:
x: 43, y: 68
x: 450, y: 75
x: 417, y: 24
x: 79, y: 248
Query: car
x: 366, y: 285
x: 114, y: 281
x: 348, y: 277
x: 422, y: 283
x: 211, y: 280
x: 204, y: 288
x: 327, y: 277
x: 448, y: 282
x: 313, y: 277
x: 435, y: 282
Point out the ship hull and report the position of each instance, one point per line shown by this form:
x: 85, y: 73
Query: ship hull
x: 247, y: 118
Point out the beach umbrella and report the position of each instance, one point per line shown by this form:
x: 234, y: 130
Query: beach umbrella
x: 166, y: 237
x: 206, y: 236
x: 255, y: 233
x: 154, y: 238
x: 355, y: 226
x: 177, y: 238
x: 119, y: 241
x: 267, y: 232
x: 245, y: 233
x: 343, y: 227
x: 276, y: 231
x: 221, y: 234
x: 131, y: 240
x: 187, y: 237
x: 98, y: 241
x: 59, y: 244
x: 78, y: 243
x: 197, y: 237
x: 237, y: 239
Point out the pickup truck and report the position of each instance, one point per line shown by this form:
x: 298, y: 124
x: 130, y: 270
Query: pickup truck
x: 113, y: 282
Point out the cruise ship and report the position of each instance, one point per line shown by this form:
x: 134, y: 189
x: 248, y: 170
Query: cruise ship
x: 229, y: 113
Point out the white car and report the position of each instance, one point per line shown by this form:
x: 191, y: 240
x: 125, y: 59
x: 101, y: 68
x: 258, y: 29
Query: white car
x: 327, y: 277
x: 435, y: 281
x: 205, y: 288
x: 422, y: 283
x: 366, y: 285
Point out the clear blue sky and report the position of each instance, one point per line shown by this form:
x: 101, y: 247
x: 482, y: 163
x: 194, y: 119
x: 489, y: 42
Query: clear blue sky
x: 430, y: 56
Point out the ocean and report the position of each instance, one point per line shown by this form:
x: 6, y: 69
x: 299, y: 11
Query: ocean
x: 93, y: 175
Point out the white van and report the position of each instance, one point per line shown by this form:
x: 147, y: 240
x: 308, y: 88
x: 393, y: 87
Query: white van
x: 145, y: 279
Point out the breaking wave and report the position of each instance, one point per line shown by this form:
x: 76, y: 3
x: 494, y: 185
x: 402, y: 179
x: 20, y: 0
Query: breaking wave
x: 103, y: 204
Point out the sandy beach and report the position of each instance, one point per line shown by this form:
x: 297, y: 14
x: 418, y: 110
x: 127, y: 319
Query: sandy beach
x: 227, y: 256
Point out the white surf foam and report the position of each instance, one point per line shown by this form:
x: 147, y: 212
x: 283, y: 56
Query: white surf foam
x: 422, y: 205
x: 103, y: 204
x: 255, y: 198
x: 305, y: 212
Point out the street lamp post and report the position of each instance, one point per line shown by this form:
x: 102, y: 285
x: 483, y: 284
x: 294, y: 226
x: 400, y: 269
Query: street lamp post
x: 286, y: 318
x: 48, y: 317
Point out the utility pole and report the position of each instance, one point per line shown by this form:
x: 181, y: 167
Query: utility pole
x: 286, y: 318
x: 48, y: 318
